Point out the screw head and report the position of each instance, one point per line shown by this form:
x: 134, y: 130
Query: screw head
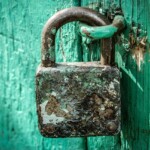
x: 111, y: 126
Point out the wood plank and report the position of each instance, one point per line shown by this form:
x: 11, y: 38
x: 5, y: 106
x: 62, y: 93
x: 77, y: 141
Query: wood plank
x: 21, y: 23
x: 91, y: 52
x: 136, y: 84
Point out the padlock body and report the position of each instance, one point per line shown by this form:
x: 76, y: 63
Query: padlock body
x: 78, y: 99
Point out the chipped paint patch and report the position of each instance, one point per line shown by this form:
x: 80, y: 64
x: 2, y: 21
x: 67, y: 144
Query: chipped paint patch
x: 52, y: 118
x: 53, y: 30
x: 138, y: 52
x: 136, y: 45
x: 138, y: 55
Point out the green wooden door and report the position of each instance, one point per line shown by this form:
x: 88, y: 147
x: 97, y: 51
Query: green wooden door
x: 21, y: 23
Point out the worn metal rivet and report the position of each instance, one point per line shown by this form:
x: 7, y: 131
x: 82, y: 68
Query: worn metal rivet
x: 111, y: 126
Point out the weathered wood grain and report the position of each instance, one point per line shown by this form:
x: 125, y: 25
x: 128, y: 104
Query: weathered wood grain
x: 136, y: 84
x: 21, y: 23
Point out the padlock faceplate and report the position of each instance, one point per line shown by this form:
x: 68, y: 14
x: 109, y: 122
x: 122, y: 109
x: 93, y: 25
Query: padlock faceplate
x: 78, y: 99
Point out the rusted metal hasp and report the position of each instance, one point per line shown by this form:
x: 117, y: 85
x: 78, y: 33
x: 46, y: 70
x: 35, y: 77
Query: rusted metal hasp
x: 101, y: 32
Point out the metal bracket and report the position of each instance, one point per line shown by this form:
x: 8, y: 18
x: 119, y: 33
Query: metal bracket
x: 101, y: 32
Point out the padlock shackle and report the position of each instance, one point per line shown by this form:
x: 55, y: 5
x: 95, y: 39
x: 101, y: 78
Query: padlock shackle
x: 64, y: 16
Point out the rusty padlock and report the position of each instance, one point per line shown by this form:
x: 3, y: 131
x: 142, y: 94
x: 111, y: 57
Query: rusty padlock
x: 77, y: 99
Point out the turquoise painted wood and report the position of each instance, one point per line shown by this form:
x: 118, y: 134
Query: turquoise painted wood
x: 93, y: 51
x: 21, y: 23
x: 135, y: 84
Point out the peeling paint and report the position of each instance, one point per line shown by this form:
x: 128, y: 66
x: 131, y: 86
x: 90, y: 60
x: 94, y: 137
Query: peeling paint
x: 138, y: 55
x: 136, y: 45
x: 49, y: 118
x: 53, y: 30
x: 138, y: 51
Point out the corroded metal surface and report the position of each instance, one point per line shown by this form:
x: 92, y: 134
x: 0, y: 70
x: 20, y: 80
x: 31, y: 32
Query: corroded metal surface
x: 78, y: 99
